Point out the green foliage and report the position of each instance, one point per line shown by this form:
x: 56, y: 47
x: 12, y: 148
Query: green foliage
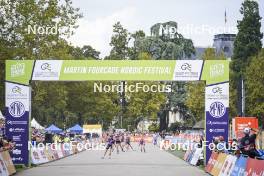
x: 119, y: 42
x: 255, y: 87
x: 177, y: 126
x: 248, y: 40
x: 143, y: 105
x: 247, y: 44
x: 86, y: 52
x: 153, y: 127
x: 196, y: 90
x: 195, y: 99
x: 52, y: 102
x: 18, y: 42
x: 163, y: 46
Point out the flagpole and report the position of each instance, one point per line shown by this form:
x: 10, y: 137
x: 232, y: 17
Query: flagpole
x: 225, y: 21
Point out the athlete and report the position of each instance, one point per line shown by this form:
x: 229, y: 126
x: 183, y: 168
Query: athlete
x: 109, y: 147
x: 118, y: 143
x: 127, y: 139
x: 142, y: 144
x: 123, y: 141
x: 155, y: 139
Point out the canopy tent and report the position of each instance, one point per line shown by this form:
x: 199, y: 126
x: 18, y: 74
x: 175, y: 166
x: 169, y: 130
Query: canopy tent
x: 76, y: 129
x: 36, y: 125
x: 53, y: 129
x: 1, y: 115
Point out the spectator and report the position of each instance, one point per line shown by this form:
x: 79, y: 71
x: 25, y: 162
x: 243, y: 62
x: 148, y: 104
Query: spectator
x: 247, y: 144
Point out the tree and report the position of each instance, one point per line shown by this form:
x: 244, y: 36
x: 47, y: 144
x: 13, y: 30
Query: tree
x: 143, y: 105
x: 18, y: 42
x: 19, y: 18
x: 162, y: 46
x: 247, y: 44
x: 255, y: 87
x: 86, y: 52
x: 196, y: 90
x: 119, y: 42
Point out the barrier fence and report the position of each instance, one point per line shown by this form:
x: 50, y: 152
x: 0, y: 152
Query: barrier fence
x: 220, y: 164
x: 223, y: 164
x: 41, y: 156
x: 6, y: 164
x: 147, y: 139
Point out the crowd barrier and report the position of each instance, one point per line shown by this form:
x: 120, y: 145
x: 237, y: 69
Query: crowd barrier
x: 193, y: 156
x: 41, y: 156
x: 184, y: 138
x: 148, y: 139
x: 222, y: 164
x: 6, y: 164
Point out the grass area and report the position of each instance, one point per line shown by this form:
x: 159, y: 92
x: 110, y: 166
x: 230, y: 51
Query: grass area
x: 20, y: 168
x: 178, y: 153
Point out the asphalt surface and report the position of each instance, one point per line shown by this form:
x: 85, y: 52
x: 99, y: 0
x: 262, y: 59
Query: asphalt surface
x: 131, y: 163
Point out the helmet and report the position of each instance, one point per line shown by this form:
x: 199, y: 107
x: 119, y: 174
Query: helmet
x: 246, y: 130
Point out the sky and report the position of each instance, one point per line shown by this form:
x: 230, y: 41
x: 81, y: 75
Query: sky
x: 197, y: 20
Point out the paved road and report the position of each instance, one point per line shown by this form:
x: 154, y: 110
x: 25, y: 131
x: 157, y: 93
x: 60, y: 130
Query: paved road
x: 132, y: 163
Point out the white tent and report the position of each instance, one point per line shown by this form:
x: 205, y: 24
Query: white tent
x: 1, y: 115
x: 36, y: 125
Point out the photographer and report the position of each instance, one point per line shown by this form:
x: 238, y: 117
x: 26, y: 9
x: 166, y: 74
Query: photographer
x: 247, y: 144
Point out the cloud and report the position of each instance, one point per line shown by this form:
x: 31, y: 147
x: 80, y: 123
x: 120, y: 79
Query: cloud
x: 98, y: 32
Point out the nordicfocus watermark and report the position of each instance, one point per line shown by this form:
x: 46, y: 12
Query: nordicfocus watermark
x: 137, y: 87
x: 80, y: 146
x: 164, y: 145
x: 191, y: 29
x: 43, y: 30
x: 167, y: 145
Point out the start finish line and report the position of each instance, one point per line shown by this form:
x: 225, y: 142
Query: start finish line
x: 19, y: 73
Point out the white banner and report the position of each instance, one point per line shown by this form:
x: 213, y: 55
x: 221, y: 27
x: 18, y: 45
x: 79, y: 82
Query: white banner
x: 17, y: 99
x: 216, y: 93
x: 47, y: 70
x: 198, y: 152
x: 187, y: 70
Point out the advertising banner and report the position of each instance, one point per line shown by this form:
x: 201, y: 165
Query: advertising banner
x: 17, y: 120
x: 43, y: 157
x: 218, y: 164
x: 217, y: 109
x: 228, y: 165
x: 35, y: 157
x: 188, y: 70
x: 240, y: 167
x: 3, y: 167
x: 49, y: 155
x: 187, y: 153
x: 211, y: 162
x: 196, y: 156
x: 243, y: 122
x: 19, y: 71
x: 254, y: 167
x: 213, y: 71
x: 8, y: 162
x: 92, y: 129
